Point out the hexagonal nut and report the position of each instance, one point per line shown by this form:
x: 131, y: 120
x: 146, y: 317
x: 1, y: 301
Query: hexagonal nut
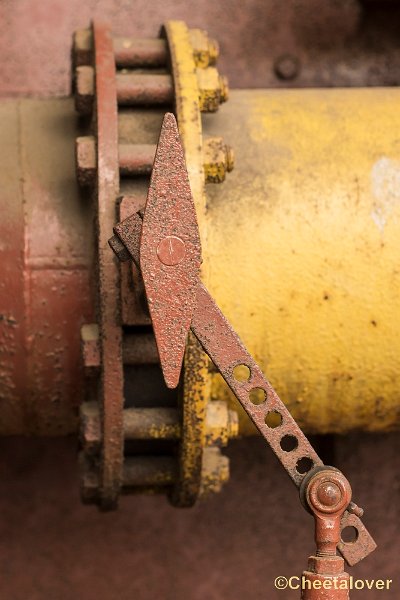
x: 83, y: 47
x: 221, y: 424
x: 214, y: 472
x: 326, y: 564
x: 213, y: 89
x: 205, y: 49
x: 85, y: 158
x: 84, y: 89
x: 218, y: 159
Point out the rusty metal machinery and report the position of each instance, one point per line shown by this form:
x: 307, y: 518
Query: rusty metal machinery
x: 193, y: 86
x: 250, y: 288
x: 114, y: 78
x: 310, y: 213
x: 162, y: 238
x: 176, y: 70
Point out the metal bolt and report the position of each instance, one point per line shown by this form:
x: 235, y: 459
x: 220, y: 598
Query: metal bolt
x: 171, y: 250
x: 214, y: 472
x: 218, y: 159
x: 221, y: 423
x: 354, y: 509
x: 205, y: 49
x: 328, y: 493
x: 286, y: 67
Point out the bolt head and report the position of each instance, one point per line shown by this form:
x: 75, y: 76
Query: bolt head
x: 329, y: 493
x: 213, y: 89
x: 171, y: 250
x: 287, y: 67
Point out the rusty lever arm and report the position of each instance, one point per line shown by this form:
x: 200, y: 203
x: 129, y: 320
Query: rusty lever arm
x: 254, y: 392
x: 164, y: 243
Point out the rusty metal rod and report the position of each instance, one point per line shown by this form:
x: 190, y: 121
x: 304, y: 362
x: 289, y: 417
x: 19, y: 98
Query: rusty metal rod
x: 151, y: 423
x: 138, y: 423
x: 148, y: 471
x: 136, y: 159
x: 133, y: 159
x: 139, y: 89
x: 157, y: 423
x: 131, y: 52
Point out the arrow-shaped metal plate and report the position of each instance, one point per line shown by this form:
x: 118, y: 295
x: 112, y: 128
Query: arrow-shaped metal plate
x: 170, y: 251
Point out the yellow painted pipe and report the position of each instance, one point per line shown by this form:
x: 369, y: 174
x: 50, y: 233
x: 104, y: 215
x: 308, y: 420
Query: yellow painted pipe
x: 301, y: 252
x: 303, y: 249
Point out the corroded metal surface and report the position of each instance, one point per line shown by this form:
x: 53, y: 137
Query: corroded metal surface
x: 193, y: 406
x: 311, y: 390
x: 44, y: 261
x: 159, y: 423
x: 136, y: 159
x: 261, y: 402
x: 144, y: 89
x: 224, y: 347
x: 170, y: 238
x: 254, y: 392
x: 152, y: 423
x: 364, y: 543
x: 218, y: 159
x: 134, y: 310
x: 132, y: 151
x: 327, y: 494
x: 137, y: 52
x: 111, y: 381
x: 196, y: 383
x: 12, y: 273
